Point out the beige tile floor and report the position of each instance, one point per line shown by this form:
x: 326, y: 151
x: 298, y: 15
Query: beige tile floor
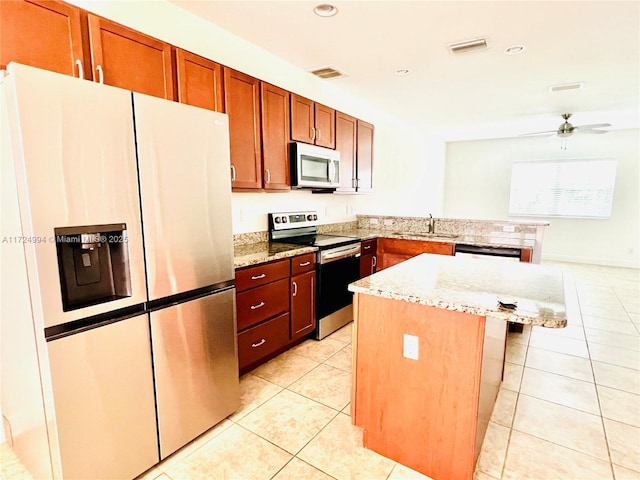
x: 569, y: 406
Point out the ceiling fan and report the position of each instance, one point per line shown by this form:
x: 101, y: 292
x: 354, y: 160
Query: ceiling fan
x: 565, y: 130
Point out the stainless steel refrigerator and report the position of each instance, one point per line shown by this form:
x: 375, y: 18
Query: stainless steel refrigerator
x: 117, y: 313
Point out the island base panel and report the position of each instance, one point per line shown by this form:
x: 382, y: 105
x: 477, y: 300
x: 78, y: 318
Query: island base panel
x: 421, y: 413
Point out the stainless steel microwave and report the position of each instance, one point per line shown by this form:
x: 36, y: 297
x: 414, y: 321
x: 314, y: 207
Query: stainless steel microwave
x: 314, y: 167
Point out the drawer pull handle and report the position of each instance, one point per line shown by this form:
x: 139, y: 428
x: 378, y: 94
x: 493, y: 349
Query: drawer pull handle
x: 258, y: 277
x: 255, y: 307
x: 368, y: 247
x: 304, y: 264
x: 256, y: 345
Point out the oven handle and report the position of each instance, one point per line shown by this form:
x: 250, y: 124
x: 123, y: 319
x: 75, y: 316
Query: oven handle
x: 339, y: 253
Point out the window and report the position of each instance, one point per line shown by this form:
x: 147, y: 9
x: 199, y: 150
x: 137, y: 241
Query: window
x: 569, y: 188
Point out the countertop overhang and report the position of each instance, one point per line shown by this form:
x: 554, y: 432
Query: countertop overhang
x: 473, y: 285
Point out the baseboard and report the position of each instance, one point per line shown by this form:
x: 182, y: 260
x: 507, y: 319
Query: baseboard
x: 607, y: 262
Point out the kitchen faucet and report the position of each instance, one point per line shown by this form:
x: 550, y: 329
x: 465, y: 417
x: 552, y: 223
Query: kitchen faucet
x: 431, y: 225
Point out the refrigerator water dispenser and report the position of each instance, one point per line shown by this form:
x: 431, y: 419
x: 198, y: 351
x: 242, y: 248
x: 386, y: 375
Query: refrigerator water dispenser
x: 93, y: 262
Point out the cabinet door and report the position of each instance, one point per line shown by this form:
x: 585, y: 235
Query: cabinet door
x: 199, y: 81
x: 242, y: 101
x: 346, y: 144
x: 303, y: 317
x: 302, y: 119
x: 275, y: 137
x: 367, y: 265
x: 364, y: 165
x: 325, y: 126
x: 43, y: 34
x: 128, y: 59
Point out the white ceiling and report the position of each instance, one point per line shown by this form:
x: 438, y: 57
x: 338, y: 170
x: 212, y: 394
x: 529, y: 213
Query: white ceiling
x: 480, y: 94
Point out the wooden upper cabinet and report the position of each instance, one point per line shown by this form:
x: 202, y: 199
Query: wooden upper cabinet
x: 325, y: 126
x: 275, y: 137
x: 128, y: 59
x: 346, y: 127
x: 312, y: 122
x: 364, y: 166
x: 43, y: 34
x: 199, y: 81
x: 302, y: 119
x: 242, y: 101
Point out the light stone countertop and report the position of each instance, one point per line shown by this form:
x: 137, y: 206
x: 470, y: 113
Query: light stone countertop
x: 478, y: 240
x: 262, y: 252
x: 473, y: 285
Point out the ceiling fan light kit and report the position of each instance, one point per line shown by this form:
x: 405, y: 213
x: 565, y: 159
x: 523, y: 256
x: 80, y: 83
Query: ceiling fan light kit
x: 468, y: 46
x: 566, y: 86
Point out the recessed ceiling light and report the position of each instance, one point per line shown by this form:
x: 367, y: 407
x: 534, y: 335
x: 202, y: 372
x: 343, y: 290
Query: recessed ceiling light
x: 325, y: 10
x: 515, y: 49
x: 401, y: 72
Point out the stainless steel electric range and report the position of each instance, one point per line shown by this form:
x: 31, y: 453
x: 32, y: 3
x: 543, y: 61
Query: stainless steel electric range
x: 337, y: 265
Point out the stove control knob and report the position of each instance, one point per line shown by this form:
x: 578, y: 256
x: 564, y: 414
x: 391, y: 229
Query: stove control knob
x: 284, y: 219
x: 276, y: 219
x: 315, y: 217
x: 309, y: 217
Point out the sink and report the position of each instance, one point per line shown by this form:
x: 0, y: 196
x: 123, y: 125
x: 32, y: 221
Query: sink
x: 427, y: 235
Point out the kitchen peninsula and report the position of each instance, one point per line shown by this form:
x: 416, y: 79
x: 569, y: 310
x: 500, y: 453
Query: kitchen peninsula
x: 429, y: 343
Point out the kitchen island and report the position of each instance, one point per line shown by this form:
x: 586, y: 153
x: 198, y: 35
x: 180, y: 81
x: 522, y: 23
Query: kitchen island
x: 429, y: 343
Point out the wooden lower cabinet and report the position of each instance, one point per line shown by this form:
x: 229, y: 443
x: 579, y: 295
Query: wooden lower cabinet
x: 275, y: 304
x: 368, y: 258
x: 258, y: 304
x: 262, y: 340
x: 392, y: 251
x: 303, y: 316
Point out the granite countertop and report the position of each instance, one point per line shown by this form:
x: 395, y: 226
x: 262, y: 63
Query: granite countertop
x: 478, y: 240
x: 262, y: 252
x: 473, y: 285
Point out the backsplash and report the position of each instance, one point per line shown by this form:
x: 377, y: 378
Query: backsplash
x: 494, y: 231
x: 240, y: 239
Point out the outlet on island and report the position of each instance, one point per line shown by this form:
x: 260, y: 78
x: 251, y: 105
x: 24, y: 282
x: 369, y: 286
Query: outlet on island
x: 410, y: 347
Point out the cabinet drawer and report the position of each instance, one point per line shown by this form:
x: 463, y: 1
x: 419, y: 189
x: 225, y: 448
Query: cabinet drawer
x: 303, y: 263
x: 369, y: 247
x: 261, y: 274
x: 261, y: 303
x: 257, y: 342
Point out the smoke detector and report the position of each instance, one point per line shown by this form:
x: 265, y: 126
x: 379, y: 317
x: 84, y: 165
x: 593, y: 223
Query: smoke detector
x: 468, y: 46
x: 328, y: 71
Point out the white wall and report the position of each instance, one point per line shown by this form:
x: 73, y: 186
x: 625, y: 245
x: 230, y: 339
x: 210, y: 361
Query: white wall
x: 405, y: 159
x: 477, y: 184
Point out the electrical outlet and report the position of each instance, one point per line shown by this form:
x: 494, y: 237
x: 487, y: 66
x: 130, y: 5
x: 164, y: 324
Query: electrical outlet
x: 374, y: 221
x: 410, y: 347
x: 509, y: 228
x: 388, y: 222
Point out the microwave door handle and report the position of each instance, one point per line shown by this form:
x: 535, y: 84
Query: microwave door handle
x: 332, y: 171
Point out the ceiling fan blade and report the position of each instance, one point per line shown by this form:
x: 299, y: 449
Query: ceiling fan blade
x: 595, y: 125
x: 548, y: 132
x: 589, y: 130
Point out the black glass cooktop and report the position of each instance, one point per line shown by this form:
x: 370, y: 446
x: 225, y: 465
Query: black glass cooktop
x: 320, y: 241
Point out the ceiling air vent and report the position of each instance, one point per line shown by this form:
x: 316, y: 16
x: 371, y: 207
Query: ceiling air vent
x: 468, y: 46
x: 328, y: 71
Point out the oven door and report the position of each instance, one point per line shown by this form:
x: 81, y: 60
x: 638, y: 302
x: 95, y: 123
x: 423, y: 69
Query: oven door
x: 333, y: 279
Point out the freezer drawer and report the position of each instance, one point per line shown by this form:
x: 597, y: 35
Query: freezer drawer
x: 196, y: 367
x: 103, y: 395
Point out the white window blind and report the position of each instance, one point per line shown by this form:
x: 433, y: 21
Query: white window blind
x: 569, y: 188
